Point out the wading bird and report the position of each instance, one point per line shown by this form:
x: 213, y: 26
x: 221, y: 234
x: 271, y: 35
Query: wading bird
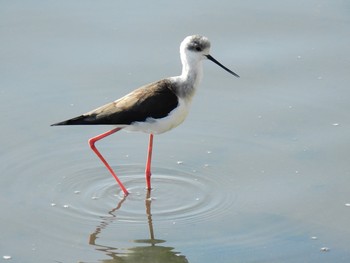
x: 154, y: 108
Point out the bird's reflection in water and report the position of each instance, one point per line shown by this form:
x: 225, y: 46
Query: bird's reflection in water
x: 152, y: 251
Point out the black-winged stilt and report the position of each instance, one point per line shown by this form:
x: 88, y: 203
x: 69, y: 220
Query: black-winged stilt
x: 154, y: 108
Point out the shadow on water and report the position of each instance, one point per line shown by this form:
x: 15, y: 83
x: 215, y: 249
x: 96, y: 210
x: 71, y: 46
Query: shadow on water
x: 152, y: 251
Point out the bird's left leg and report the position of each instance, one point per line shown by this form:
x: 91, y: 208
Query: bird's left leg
x: 93, y: 147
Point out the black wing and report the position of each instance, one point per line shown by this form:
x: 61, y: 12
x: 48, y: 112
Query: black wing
x: 155, y: 100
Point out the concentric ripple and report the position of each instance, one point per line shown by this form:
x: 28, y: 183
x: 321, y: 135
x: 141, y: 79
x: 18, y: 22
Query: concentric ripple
x: 177, y: 196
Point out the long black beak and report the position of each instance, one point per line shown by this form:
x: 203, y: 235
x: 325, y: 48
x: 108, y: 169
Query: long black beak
x: 219, y: 64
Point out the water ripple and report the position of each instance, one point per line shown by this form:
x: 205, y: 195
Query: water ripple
x: 177, y: 196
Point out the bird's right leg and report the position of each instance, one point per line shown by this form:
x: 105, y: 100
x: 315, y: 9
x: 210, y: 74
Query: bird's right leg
x: 148, y: 163
x: 93, y: 147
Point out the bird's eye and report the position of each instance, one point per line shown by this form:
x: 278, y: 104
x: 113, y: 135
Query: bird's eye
x: 198, y: 49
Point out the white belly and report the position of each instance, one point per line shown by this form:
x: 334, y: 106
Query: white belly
x: 157, y: 126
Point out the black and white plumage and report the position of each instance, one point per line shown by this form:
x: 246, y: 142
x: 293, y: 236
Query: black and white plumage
x: 157, y: 107
x: 146, y: 104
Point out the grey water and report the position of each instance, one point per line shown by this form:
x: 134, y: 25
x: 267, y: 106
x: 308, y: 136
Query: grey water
x: 259, y: 171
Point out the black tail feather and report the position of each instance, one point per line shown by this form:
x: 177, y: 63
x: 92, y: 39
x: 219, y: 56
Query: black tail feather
x: 80, y: 120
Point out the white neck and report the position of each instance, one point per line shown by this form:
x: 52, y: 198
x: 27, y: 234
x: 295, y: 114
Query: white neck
x: 191, y: 75
x: 192, y: 71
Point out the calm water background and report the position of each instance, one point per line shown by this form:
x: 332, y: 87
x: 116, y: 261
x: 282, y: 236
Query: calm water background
x: 259, y: 172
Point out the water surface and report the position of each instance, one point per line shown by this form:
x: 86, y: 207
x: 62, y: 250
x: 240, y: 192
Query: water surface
x: 259, y: 172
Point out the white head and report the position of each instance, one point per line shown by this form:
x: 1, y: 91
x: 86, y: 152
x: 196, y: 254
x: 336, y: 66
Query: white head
x: 194, y: 49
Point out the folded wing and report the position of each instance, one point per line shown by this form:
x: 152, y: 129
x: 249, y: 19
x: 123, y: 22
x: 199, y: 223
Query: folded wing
x: 155, y: 100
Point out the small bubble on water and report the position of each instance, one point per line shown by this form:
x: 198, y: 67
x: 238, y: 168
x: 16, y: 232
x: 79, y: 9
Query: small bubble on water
x: 324, y: 249
x: 209, y: 152
x: 94, y: 197
x: 206, y: 165
x: 65, y: 206
x: 6, y: 257
x: 197, y: 199
x: 314, y: 238
x: 53, y: 204
x: 77, y: 192
x: 319, y: 77
x: 347, y: 204
x: 335, y: 124
x: 179, y: 162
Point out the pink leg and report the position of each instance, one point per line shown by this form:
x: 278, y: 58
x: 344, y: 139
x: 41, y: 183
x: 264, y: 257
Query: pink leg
x: 92, y: 146
x: 148, y: 163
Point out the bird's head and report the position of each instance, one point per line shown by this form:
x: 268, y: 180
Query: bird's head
x: 195, y: 48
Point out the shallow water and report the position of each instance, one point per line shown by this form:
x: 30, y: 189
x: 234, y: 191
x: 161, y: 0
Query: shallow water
x: 259, y: 172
